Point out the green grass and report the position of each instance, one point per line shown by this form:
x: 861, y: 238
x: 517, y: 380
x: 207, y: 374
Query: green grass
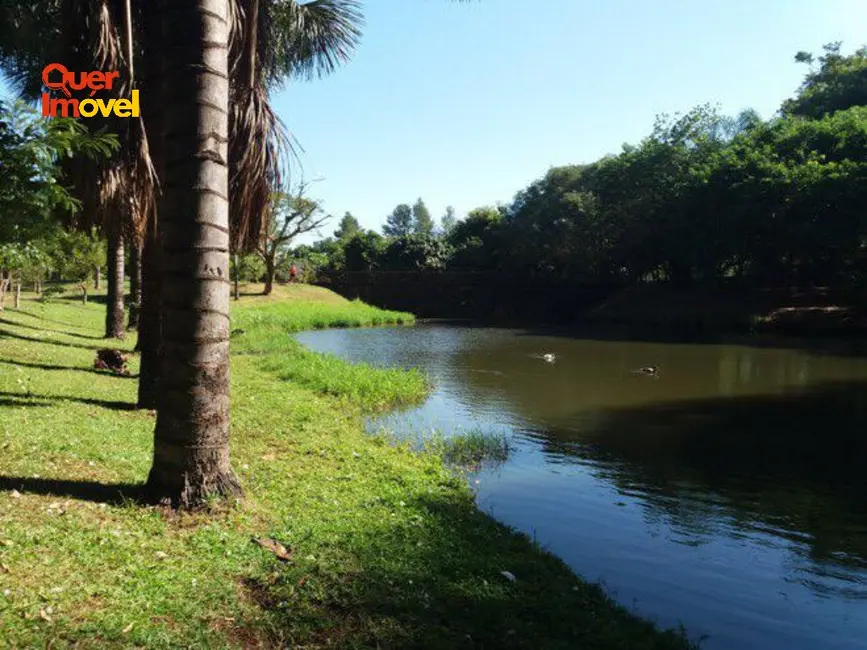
x: 388, y: 549
x: 470, y: 449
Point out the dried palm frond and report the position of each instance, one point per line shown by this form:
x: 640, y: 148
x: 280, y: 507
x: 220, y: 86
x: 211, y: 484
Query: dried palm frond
x: 272, y: 40
x: 259, y: 144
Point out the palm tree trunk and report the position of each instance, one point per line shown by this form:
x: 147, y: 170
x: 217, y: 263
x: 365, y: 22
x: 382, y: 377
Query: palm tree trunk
x: 134, y: 282
x: 114, y: 315
x: 149, y: 342
x: 150, y: 322
x: 191, y: 440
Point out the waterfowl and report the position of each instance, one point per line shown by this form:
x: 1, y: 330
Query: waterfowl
x: 549, y: 357
x: 648, y: 370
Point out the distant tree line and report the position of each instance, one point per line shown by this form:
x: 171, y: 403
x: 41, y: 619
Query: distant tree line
x: 703, y: 198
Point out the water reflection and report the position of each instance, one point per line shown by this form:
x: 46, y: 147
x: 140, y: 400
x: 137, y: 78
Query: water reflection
x: 727, y: 492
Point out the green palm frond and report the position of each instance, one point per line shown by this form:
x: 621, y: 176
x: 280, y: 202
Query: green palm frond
x: 30, y: 39
x: 307, y: 40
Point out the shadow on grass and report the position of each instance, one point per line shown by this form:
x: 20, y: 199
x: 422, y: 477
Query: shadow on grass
x: 33, y: 339
x: 12, y: 402
x: 48, y: 366
x: 113, y: 493
x: 438, y: 584
x: 27, y: 312
x: 32, y: 399
x: 89, y: 337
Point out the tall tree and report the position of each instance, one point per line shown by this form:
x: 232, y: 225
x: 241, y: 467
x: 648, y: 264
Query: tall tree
x: 422, y: 223
x: 399, y: 222
x: 348, y: 227
x: 448, y: 221
x: 191, y: 439
x: 290, y: 214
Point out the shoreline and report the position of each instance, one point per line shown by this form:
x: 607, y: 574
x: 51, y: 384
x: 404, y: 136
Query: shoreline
x: 388, y: 548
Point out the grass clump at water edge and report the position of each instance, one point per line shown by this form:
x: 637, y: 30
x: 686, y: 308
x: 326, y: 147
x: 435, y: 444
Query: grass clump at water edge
x: 470, y: 449
x: 385, y: 547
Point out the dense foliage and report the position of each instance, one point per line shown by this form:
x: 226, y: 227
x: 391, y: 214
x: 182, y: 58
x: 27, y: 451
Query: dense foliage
x: 704, y: 198
x: 33, y: 196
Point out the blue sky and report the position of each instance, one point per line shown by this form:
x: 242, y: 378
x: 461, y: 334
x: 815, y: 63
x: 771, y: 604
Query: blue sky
x: 465, y: 104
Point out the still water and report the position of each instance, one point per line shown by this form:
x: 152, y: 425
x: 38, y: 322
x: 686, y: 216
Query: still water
x: 727, y: 493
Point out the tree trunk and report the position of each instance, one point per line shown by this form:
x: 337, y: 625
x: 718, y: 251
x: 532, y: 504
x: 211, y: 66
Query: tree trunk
x: 37, y: 287
x: 96, y: 276
x: 4, y: 282
x: 191, y: 440
x: 83, y: 286
x: 270, y: 270
x: 134, y: 282
x: 150, y: 322
x: 237, y: 276
x: 114, y: 312
x: 18, y: 295
x: 150, y: 319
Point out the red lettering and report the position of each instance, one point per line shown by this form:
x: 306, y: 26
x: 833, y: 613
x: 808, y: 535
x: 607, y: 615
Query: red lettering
x: 56, y: 85
x: 109, y: 79
x: 95, y: 81
x: 65, y: 106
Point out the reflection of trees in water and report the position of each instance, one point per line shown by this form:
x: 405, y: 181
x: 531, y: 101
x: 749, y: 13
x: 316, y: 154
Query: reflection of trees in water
x: 793, y: 465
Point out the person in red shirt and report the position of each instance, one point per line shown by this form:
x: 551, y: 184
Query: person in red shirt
x: 293, y: 273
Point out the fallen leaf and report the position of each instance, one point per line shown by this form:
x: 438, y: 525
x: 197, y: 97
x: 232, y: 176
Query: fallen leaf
x: 161, y: 555
x: 268, y: 457
x: 128, y: 628
x: 15, y: 494
x: 275, y: 547
x: 4, y: 568
x: 44, y: 616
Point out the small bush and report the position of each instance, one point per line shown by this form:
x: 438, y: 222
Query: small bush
x: 51, y: 292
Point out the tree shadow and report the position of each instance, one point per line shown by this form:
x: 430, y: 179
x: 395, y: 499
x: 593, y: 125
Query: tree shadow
x: 6, y: 321
x: 99, y: 298
x: 48, y: 366
x: 112, y: 493
x: 44, y: 318
x: 32, y: 339
x: 32, y: 399
x: 13, y: 402
x: 437, y: 582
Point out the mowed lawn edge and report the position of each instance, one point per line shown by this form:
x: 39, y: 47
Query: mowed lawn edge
x: 386, y: 547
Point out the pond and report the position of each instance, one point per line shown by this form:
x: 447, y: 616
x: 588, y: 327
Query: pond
x: 726, y: 492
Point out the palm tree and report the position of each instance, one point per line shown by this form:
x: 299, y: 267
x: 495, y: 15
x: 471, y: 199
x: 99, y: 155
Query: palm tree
x: 116, y: 193
x: 191, y: 440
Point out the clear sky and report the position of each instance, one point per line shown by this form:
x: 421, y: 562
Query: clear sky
x: 465, y: 104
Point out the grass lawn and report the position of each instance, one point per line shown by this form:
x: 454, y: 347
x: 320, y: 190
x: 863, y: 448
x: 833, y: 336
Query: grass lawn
x: 387, y: 549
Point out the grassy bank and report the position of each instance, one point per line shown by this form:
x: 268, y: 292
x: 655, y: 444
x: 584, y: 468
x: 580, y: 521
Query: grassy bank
x: 387, y: 548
